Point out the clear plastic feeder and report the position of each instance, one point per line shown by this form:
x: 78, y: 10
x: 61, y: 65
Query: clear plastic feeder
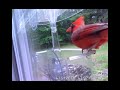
x: 51, y: 64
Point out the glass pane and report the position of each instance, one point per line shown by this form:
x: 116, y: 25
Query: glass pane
x: 54, y: 57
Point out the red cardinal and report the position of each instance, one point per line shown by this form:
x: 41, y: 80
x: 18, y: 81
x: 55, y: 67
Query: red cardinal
x: 90, y: 36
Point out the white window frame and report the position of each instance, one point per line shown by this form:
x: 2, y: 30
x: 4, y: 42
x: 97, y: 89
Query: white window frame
x: 22, y: 54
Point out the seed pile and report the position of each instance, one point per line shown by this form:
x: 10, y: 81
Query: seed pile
x: 73, y: 73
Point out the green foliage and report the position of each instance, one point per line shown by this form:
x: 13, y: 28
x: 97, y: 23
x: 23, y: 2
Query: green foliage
x: 41, y: 37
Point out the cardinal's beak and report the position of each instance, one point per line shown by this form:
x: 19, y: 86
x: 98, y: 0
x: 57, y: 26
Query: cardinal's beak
x: 68, y: 30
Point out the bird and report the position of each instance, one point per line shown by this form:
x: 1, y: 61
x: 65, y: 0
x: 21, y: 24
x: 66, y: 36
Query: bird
x: 88, y: 36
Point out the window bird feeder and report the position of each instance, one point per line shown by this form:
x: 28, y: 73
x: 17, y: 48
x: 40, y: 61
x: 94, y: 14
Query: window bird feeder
x: 47, y: 65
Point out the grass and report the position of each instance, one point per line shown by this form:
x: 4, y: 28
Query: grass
x: 66, y: 54
x: 69, y: 45
x: 100, y: 59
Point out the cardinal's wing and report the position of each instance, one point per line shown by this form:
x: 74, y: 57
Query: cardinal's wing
x: 92, y: 29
